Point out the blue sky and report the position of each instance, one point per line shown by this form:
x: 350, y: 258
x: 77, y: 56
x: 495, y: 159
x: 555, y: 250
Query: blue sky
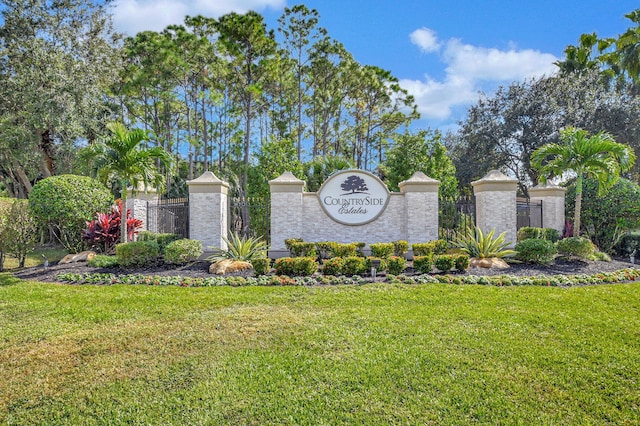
x: 444, y: 53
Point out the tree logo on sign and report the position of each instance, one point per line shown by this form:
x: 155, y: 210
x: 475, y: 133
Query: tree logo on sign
x: 354, y: 185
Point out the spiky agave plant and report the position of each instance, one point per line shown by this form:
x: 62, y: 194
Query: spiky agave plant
x: 476, y: 244
x: 240, y: 248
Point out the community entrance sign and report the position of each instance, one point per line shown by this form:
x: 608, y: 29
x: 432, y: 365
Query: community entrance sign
x: 353, y: 197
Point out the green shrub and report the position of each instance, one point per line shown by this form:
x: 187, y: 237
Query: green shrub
x: 397, y: 264
x: 629, y: 244
x: 343, y: 250
x: 65, y: 203
x: 359, y: 248
x: 534, y: 250
x: 137, y: 253
x: 461, y: 262
x: 163, y: 240
x: 290, y: 241
x: 261, y: 265
x: 381, y: 250
x: 20, y: 231
x: 103, y: 261
x: 323, y: 249
x: 240, y: 248
x: 333, y: 266
x: 400, y: 247
x: 528, y: 232
x: 423, y: 264
x: 295, y: 266
x: 475, y: 243
x: 429, y: 248
x: 302, y: 249
x: 353, y: 265
x: 444, y: 262
x: 576, y: 247
x: 5, y: 207
x: 601, y: 256
x: 183, y: 251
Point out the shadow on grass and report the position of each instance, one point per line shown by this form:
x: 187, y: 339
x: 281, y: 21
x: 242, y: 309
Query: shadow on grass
x: 6, y: 279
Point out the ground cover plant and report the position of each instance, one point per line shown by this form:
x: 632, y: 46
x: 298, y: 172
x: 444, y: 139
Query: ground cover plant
x: 372, y: 354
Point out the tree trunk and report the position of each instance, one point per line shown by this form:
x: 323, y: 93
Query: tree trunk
x: 576, y: 224
x: 47, y: 148
x: 22, y: 178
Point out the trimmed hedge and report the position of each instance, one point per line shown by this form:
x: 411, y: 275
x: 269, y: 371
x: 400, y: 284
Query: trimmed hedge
x: 183, y: 251
x: 529, y: 232
x: 382, y: 250
x: 163, y: 240
x: 576, y: 247
x: 429, y: 248
x: 261, y: 265
x: 295, y: 266
x: 534, y: 250
x: 137, y: 253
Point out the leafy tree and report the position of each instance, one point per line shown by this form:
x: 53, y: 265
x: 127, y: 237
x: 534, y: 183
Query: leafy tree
x: 599, y: 157
x: 57, y: 58
x: 608, y: 216
x: 422, y: 151
x: 319, y: 169
x: 121, y: 157
x: 21, y: 232
x: 275, y: 158
x: 64, y: 204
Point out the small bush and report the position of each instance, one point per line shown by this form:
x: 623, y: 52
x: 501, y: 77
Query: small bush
x: 163, y: 240
x: 429, y: 248
x: 183, y: 251
x: 302, y: 249
x: 576, y: 247
x: 137, y: 253
x: 103, y: 261
x: 423, y: 264
x: 444, y: 262
x: 343, y: 250
x: 323, y: 249
x: 461, y: 262
x: 534, y: 250
x: 290, y: 241
x: 353, y: 265
x: 397, y: 264
x: 261, y: 265
x: 295, y: 266
x: 601, y: 256
x: 528, y: 232
x: 333, y: 266
x: 381, y: 250
x: 400, y: 247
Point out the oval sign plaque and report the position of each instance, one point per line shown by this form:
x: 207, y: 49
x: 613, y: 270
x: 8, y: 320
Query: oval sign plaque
x: 353, y: 197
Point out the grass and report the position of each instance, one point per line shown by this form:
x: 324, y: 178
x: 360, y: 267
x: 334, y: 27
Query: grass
x: 34, y: 258
x: 372, y: 354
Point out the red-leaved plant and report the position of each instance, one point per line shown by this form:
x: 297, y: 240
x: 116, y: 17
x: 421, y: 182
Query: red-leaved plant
x: 103, y: 233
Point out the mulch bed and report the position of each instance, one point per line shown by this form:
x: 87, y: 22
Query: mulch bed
x: 201, y: 269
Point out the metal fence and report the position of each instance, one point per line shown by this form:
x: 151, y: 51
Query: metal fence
x: 455, y: 216
x: 169, y: 216
x: 528, y: 213
x: 250, y: 217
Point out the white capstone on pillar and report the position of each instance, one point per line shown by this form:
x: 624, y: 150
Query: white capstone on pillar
x: 286, y: 212
x: 421, y: 198
x: 208, y: 209
x: 552, y: 198
x: 138, y: 202
x: 496, y: 204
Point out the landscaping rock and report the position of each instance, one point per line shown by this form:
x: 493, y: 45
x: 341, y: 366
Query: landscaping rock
x: 228, y: 266
x: 83, y: 256
x: 488, y: 263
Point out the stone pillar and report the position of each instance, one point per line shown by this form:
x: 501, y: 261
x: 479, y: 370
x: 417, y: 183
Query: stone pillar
x: 208, y: 211
x: 552, y: 198
x: 421, y: 200
x: 496, y: 204
x: 138, y: 203
x: 286, y: 212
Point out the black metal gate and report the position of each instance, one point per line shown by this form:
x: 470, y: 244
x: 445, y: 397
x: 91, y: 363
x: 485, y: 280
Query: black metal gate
x: 169, y: 216
x: 250, y: 217
x: 456, y: 216
x: 528, y: 213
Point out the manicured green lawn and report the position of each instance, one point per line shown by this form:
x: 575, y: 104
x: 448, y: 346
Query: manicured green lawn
x: 374, y: 354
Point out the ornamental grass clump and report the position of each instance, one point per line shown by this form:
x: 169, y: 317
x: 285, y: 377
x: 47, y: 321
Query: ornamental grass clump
x: 240, y: 248
x: 478, y: 245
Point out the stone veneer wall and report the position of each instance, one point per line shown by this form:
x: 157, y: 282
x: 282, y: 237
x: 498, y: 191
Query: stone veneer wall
x: 552, y: 198
x: 208, y: 211
x: 496, y: 204
x: 138, y: 203
x: 411, y: 215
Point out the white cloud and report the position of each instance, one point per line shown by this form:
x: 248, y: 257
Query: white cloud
x: 468, y: 69
x: 425, y: 39
x: 133, y: 16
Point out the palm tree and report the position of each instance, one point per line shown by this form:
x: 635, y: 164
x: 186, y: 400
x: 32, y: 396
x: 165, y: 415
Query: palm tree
x: 121, y: 157
x: 598, y: 156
